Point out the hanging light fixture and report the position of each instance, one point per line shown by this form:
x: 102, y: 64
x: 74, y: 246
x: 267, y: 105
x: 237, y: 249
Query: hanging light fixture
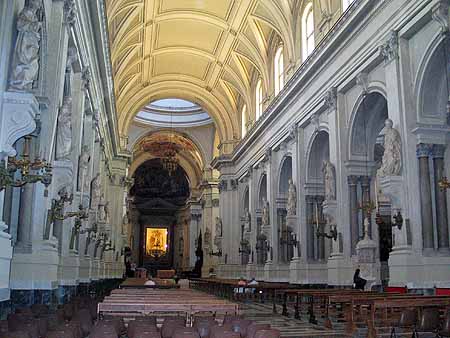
x: 170, y: 161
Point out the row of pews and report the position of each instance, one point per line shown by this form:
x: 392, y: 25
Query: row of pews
x: 129, y: 302
x: 371, y: 311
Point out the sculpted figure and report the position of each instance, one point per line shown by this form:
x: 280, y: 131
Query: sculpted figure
x: 247, y: 220
x: 265, y: 213
x: 96, y: 187
x: 101, y: 209
x: 292, y: 199
x: 219, y: 227
x: 64, y: 131
x: 25, y: 67
x: 329, y: 180
x: 392, y: 157
x: 207, y: 237
x: 83, y: 165
x: 106, y: 207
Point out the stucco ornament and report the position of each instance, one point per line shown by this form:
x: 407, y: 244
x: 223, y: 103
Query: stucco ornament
x: 392, y: 157
x: 64, y: 131
x: 329, y: 178
x: 96, y: 187
x: 25, y: 67
x: 83, y: 165
x: 292, y: 199
x: 219, y: 227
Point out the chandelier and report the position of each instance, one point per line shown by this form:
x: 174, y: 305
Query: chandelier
x: 169, y: 160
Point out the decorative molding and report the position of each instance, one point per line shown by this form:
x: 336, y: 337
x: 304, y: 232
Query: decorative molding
x: 330, y: 99
x: 267, y: 155
x: 362, y: 80
x: 438, y: 150
x: 439, y: 12
x: 389, y: 49
x: 234, y: 184
x: 70, y: 12
x: 423, y: 150
x: 86, y: 77
x: 222, y: 186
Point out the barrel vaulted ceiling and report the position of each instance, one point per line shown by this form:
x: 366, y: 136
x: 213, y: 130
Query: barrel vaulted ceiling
x: 205, y: 51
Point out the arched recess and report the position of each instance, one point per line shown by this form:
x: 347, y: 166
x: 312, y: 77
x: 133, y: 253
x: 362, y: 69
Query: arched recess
x: 262, y: 191
x: 285, y: 175
x: 368, y: 121
x: 226, y: 123
x: 433, y: 79
x: 318, y: 153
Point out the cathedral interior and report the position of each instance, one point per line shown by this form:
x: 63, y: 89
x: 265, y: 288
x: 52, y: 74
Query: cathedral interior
x: 289, y: 141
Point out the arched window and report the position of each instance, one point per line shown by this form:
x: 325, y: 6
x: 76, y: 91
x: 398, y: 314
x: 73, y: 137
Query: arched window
x: 259, y: 99
x: 308, y: 30
x: 346, y: 4
x: 244, y: 120
x: 279, y: 70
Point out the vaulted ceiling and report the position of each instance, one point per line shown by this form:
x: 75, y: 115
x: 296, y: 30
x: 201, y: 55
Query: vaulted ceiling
x: 205, y: 51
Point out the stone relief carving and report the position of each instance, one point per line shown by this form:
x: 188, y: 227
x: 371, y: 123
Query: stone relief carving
x: 219, y: 227
x: 64, y: 131
x: 392, y: 157
x: 329, y: 177
x: 25, y: 67
x: 96, y: 187
x: 265, y: 213
x: 292, y: 199
x: 83, y: 165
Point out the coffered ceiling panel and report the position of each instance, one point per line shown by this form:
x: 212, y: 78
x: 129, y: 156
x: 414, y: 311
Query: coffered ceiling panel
x: 188, y: 48
x: 219, y: 8
x: 188, y: 33
x: 189, y: 65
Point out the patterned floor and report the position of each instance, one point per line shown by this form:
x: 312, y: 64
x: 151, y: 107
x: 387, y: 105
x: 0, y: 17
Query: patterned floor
x: 289, y: 327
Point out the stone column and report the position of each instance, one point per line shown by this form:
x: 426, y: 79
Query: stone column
x: 354, y: 227
x: 438, y: 152
x: 423, y: 153
x: 365, y: 187
x: 309, y: 227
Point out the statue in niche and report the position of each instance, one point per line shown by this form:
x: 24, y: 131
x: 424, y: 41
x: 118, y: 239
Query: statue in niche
x: 101, y: 209
x: 392, y: 157
x: 329, y: 177
x: 96, y: 186
x: 106, y: 207
x: 83, y: 165
x: 25, y: 67
x: 207, y: 239
x: 292, y: 199
x: 247, y: 220
x: 219, y: 227
x: 64, y: 131
x: 265, y: 213
x: 125, y: 222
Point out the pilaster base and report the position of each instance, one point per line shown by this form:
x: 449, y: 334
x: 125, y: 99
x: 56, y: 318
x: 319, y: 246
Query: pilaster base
x: 69, y: 270
x: 303, y: 272
x: 340, y: 270
x: 95, y: 269
x: 276, y: 272
x: 85, y: 269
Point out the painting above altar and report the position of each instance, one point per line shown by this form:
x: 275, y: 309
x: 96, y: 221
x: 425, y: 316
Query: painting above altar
x: 156, y: 242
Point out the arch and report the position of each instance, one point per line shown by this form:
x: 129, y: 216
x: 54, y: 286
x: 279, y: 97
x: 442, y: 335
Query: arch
x: 431, y: 79
x: 225, y: 123
x: 308, y: 43
x: 259, y: 99
x: 371, y: 112
x: 284, y: 175
x: 278, y: 66
x: 262, y: 191
x: 319, y: 151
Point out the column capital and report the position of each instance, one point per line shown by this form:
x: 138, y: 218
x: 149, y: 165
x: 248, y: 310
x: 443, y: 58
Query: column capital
x: 389, y: 49
x: 330, y: 99
x: 352, y: 180
x: 438, y: 150
x: 423, y: 150
x: 365, y: 181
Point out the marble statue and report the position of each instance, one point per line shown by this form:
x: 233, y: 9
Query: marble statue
x: 329, y: 177
x: 101, y: 209
x: 247, y: 220
x: 265, y: 213
x: 96, y: 186
x: 207, y: 237
x: 219, y: 227
x: 25, y: 67
x: 292, y: 199
x: 392, y: 157
x: 106, y: 208
x: 83, y: 165
x: 64, y: 131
